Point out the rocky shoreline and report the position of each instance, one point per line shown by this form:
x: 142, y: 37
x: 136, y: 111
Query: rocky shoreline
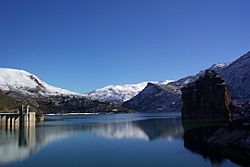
x: 208, y: 98
x: 232, y: 142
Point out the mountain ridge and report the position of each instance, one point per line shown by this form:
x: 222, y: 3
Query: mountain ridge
x: 26, y: 83
x: 120, y: 93
x: 236, y: 75
x: 151, y: 96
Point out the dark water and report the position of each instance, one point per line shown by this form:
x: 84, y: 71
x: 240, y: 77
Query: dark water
x: 108, y: 140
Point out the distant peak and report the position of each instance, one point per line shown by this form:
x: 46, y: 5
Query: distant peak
x: 27, y: 83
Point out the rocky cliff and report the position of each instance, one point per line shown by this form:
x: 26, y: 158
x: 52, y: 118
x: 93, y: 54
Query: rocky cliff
x: 207, y: 97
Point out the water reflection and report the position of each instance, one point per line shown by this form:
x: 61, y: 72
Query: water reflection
x: 196, y: 132
x: 144, y: 129
x: 196, y: 135
x: 21, y: 143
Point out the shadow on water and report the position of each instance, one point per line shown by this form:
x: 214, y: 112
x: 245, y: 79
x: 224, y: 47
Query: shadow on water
x: 196, y: 139
x: 20, y: 144
x: 195, y: 134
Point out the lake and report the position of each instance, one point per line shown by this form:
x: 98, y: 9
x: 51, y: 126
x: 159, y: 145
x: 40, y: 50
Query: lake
x: 108, y: 140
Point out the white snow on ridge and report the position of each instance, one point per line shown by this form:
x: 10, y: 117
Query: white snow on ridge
x: 219, y: 66
x: 29, y: 84
x: 165, y: 82
x: 24, y: 82
x: 120, y: 93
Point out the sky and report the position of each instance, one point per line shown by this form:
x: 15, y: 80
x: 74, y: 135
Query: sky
x: 82, y: 45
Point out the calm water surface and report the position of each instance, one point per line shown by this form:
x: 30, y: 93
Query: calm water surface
x: 122, y: 140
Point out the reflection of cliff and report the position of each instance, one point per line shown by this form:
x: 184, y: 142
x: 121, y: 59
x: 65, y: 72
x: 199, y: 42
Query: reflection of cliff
x: 196, y: 139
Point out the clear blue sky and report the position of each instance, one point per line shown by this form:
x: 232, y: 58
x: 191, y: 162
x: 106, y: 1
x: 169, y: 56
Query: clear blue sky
x: 86, y: 44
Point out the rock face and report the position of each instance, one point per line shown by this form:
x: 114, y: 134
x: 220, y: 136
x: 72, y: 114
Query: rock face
x: 208, y: 97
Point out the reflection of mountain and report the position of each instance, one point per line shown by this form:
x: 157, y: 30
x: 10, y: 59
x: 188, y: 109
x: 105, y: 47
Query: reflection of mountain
x: 144, y: 129
x: 162, y: 128
x: 117, y: 130
x: 19, y: 145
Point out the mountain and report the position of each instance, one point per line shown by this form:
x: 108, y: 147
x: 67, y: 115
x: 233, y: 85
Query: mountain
x: 19, y: 87
x: 119, y: 93
x: 27, y: 84
x: 165, y: 98
x: 145, y: 96
x: 155, y: 97
x: 189, y: 79
x: 237, y: 76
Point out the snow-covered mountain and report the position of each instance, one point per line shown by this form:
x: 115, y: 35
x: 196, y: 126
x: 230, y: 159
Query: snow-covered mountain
x: 165, y: 98
x: 120, y: 93
x: 28, y: 84
x: 189, y: 79
x: 237, y: 76
x: 155, y: 97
